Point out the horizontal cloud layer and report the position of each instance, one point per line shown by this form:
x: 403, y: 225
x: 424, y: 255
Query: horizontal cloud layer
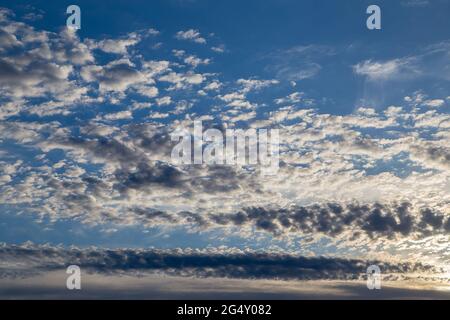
x: 227, y: 263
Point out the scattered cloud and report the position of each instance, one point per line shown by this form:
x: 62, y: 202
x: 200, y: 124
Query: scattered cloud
x: 191, y: 35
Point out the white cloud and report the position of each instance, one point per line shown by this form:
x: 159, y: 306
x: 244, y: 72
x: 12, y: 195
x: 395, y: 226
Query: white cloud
x: 435, y: 103
x: 118, y: 46
x: 255, y: 84
x: 182, y: 81
x: 232, y: 96
x: 149, y: 92
x: 164, y: 101
x: 214, y: 85
x: 294, y: 97
x: 195, y: 61
x: 218, y: 49
x: 119, y: 115
x: 191, y: 35
x: 158, y: 115
x: 380, y: 70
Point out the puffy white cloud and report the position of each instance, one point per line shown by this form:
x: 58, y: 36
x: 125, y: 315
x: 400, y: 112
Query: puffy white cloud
x: 191, y: 60
x: 149, y: 92
x: 195, y: 61
x: 255, y: 84
x: 118, y: 46
x: 191, y: 35
x: 214, y: 85
x: 291, y: 98
x: 232, y: 96
x: 435, y: 103
x: 119, y: 115
x: 164, y: 101
x: 182, y: 80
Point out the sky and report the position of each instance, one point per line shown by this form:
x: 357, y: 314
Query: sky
x: 86, y: 124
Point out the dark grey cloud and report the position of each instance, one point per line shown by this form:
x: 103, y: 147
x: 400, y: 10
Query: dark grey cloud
x: 374, y: 220
x: 437, y: 154
x: 147, y: 174
x: 331, y: 219
x: 28, y: 260
x: 136, y: 157
x: 104, y: 148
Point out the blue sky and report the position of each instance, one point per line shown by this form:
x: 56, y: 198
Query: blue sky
x: 253, y: 32
x: 86, y: 119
